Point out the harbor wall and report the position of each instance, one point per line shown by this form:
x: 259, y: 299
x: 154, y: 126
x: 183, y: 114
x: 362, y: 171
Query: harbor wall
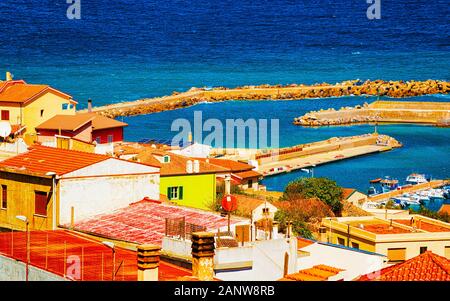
x: 379, y: 111
x: 273, y: 92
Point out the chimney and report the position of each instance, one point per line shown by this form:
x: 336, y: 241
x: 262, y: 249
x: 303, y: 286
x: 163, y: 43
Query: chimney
x: 9, y: 76
x: 196, y: 166
x: 323, y: 234
x: 203, y: 256
x: 89, y: 105
x: 227, y: 184
x: 288, y: 229
x: 148, y: 262
x: 274, y: 230
x: 189, y: 166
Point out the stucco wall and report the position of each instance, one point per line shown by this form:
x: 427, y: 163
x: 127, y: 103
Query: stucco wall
x: 96, y: 195
x: 199, y: 191
x: 353, y: 262
x: 13, y: 270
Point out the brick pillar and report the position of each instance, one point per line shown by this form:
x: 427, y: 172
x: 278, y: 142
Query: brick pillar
x: 203, y: 256
x: 148, y: 262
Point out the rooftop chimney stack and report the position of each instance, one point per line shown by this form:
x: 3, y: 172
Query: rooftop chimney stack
x: 323, y: 234
x: 196, y: 166
x: 203, y: 256
x: 8, y: 76
x: 90, y: 105
x: 148, y: 262
x: 227, y: 184
x: 189, y: 166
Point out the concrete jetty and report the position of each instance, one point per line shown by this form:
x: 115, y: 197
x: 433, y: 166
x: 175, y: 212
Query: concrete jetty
x: 273, y: 92
x: 276, y: 161
x: 436, y: 113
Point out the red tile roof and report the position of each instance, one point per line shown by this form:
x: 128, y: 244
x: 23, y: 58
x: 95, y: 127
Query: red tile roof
x: 445, y: 208
x: 423, y: 225
x: 88, y: 250
x: 40, y: 160
x: 21, y: 92
x: 317, y: 273
x: 144, y: 222
x: 425, y: 267
x: 229, y: 165
x: 303, y: 242
x: 246, y: 204
x: 100, y: 122
x: 347, y: 192
x: 248, y: 174
x: 177, y: 164
x: 65, y: 122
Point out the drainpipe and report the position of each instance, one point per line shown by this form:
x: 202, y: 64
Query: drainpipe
x: 54, y: 202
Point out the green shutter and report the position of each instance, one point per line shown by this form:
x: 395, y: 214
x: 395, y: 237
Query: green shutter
x: 169, y: 193
x: 180, y: 192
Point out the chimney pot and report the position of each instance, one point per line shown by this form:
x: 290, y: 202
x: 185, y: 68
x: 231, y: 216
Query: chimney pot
x: 196, y: 166
x: 89, y: 105
x: 203, y: 255
x: 189, y: 166
x: 148, y: 262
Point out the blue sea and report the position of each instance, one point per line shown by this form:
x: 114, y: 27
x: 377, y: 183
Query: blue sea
x: 124, y: 50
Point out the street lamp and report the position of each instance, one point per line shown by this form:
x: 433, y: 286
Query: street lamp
x: 26, y: 221
x: 112, y: 247
x: 53, y: 175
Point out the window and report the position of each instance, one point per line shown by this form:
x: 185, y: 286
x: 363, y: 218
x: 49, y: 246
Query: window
x: 341, y: 241
x: 98, y: 140
x: 175, y: 193
x: 40, y: 203
x: 110, y: 138
x: 166, y: 159
x: 4, y: 197
x: 42, y: 113
x: 250, y: 183
x: 396, y: 255
x: 355, y: 245
x: 423, y: 249
x: 265, y: 210
x: 65, y: 106
x: 5, y: 115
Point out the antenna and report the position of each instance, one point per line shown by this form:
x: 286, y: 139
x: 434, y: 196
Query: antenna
x: 5, y: 129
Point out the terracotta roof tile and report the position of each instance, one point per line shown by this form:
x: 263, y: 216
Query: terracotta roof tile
x: 177, y: 164
x: 347, y: 192
x: 144, y: 222
x: 316, y: 273
x: 21, y: 92
x: 445, y: 208
x: 229, y: 165
x: 65, y: 122
x: 423, y: 225
x: 40, y: 160
x: 303, y: 242
x: 102, y: 122
x: 425, y: 267
x: 246, y: 204
x: 248, y: 174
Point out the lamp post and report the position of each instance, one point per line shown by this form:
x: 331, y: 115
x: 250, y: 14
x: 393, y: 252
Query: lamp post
x: 26, y: 221
x: 112, y: 247
x: 53, y: 175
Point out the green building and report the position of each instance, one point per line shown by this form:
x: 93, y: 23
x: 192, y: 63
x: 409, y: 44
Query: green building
x: 185, y: 181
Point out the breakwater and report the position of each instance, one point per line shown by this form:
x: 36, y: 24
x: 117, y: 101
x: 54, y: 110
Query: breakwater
x: 273, y: 92
x: 436, y: 113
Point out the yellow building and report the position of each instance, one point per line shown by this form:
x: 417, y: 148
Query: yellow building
x: 399, y: 239
x: 26, y: 106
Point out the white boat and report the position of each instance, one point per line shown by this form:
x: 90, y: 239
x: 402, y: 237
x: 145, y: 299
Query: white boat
x: 416, y: 178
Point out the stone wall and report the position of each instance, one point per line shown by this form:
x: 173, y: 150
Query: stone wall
x: 13, y: 270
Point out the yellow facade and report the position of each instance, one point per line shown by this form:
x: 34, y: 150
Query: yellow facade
x: 20, y: 194
x: 390, y: 244
x: 35, y: 112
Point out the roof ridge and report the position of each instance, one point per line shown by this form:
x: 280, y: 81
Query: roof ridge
x: 437, y: 259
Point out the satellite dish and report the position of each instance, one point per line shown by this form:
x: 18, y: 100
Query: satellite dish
x: 5, y: 129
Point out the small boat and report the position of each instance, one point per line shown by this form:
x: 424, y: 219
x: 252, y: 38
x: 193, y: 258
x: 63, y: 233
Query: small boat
x: 416, y: 178
x: 372, y: 191
x: 376, y: 180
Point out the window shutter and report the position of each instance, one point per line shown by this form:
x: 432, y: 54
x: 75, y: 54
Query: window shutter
x: 40, y: 203
x: 169, y: 193
x: 180, y: 192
